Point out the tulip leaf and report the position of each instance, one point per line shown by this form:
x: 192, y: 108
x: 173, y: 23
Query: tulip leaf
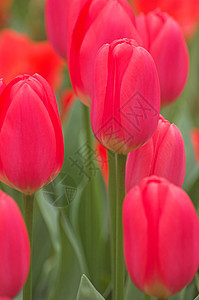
x: 197, y: 298
x: 87, y: 291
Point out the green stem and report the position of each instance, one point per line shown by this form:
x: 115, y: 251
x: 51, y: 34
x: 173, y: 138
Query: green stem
x: 112, y: 204
x: 147, y: 297
x: 119, y: 260
x: 28, y: 216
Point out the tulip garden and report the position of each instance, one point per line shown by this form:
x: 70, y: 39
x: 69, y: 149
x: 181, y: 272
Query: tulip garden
x: 99, y: 150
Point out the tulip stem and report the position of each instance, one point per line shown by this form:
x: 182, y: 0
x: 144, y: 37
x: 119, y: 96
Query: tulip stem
x: 119, y: 259
x: 112, y: 207
x: 28, y: 216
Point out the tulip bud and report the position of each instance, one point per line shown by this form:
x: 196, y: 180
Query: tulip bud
x: 162, y: 37
x: 126, y: 100
x: 31, y: 140
x: 14, y: 250
x: 56, y: 13
x: 96, y: 25
x: 163, y: 155
x: 161, y: 237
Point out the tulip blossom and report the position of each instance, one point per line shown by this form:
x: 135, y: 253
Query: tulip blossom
x: 31, y: 140
x: 14, y: 250
x: 96, y: 24
x: 161, y: 237
x: 29, y: 57
x: 186, y: 13
x: 163, y: 155
x: 126, y: 98
x: 56, y: 13
x: 162, y: 37
x: 195, y: 142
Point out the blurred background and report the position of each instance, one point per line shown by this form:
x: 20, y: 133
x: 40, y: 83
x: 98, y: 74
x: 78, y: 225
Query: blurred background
x: 71, y: 227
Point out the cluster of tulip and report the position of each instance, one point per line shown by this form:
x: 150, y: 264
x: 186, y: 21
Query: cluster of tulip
x: 124, y: 68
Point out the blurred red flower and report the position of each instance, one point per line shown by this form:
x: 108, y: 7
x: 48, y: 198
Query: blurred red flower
x: 67, y: 98
x: 195, y: 142
x: 20, y: 55
x: 4, y: 10
x: 186, y: 13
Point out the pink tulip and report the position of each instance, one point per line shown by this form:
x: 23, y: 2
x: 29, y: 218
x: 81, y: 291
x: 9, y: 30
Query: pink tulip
x: 14, y: 249
x: 163, y: 155
x: 126, y: 100
x: 98, y: 22
x: 161, y: 237
x: 31, y: 140
x: 56, y: 15
x: 162, y: 37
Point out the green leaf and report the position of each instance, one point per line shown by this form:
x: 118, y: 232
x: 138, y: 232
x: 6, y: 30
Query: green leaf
x: 87, y: 291
x: 197, y: 298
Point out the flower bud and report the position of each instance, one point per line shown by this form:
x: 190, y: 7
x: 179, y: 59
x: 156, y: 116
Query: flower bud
x: 163, y: 155
x: 96, y: 25
x: 162, y: 37
x: 31, y: 140
x: 14, y: 250
x: 126, y: 100
x: 161, y: 237
x: 56, y: 13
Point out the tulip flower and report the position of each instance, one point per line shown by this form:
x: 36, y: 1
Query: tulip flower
x: 163, y: 155
x: 56, y: 13
x: 186, y: 13
x: 96, y: 25
x: 162, y: 37
x: 126, y: 97
x: 31, y: 139
x: 14, y: 250
x: 30, y: 57
x: 161, y: 237
x: 195, y: 142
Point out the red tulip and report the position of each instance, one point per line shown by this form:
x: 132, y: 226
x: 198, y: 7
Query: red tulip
x: 162, y: 37
x: 56, y: 13
x: 186, y: 13
x: 126, y: 100
x: 14, y: 250
x: 29, y: 57
x: 161, y: 237
x: 195, y: 142
x: 163, y: 155
x: 31, y: 140
x: 96, y: 24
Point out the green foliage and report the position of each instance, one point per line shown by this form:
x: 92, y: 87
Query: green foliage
x: 87, y: 291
